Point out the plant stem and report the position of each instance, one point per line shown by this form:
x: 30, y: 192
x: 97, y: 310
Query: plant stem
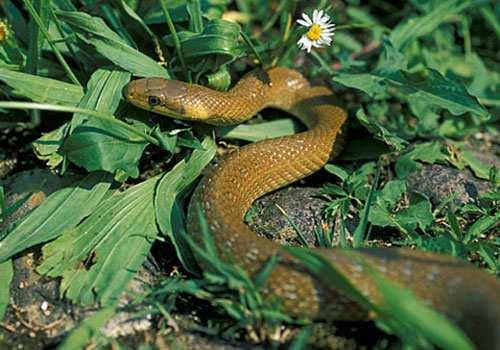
x: 95, y: 114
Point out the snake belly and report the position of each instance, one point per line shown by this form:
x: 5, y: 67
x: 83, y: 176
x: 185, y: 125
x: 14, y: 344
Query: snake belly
x: 467, y: 296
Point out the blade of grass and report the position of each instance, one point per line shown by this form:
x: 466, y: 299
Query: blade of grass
x: 359, y: 233
x: 6, y: 274
x: 300, y: 234
x: 35, y: 42
x: 195, y: 16
x: 46, y: 34
x: 62, y: 34
x: 135, y: 17
x: 491, y: 18
x: 248, y: 41
x: 175, y: 37
x: 2, y: 205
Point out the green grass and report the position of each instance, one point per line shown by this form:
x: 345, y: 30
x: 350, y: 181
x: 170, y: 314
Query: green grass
x: 420, y: 82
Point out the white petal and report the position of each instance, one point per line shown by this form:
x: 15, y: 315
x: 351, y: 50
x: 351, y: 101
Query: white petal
x: 315, y: 44
x: 328, y: 30
x: 303, y: 41
x: 324, y: 19
x: 325, y: 41
x: 315, y: 16
x: 303, y: 23
x: 307, y: 19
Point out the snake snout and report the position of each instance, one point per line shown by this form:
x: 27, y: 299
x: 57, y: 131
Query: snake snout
x: 132, y: 90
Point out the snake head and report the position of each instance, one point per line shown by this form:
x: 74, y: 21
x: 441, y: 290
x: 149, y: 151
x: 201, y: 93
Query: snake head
x: 159, y: 95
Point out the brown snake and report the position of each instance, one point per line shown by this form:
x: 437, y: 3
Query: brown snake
x: 467, y: 296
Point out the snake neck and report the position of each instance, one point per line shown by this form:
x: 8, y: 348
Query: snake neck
x: 277, y: 88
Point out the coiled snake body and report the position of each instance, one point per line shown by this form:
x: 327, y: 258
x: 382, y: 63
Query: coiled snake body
x: 466, y: 295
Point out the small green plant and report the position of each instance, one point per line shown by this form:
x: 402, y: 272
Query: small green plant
x: 420, y: 84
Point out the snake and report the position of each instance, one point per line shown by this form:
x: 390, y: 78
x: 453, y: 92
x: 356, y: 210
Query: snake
x: 466, y: 295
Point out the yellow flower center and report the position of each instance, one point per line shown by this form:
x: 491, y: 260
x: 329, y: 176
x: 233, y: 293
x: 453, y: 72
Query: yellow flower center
x: 4, y: 30
x: 314, y: 32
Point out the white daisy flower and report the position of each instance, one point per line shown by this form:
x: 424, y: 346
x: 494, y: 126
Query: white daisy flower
x: 320, y: 30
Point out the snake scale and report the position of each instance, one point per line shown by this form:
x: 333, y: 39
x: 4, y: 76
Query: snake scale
x: 467, y: 296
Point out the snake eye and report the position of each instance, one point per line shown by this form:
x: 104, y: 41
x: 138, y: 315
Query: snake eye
x: 153, y: 100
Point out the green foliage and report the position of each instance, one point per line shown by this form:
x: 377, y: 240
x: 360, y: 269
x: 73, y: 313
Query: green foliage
x: 110, y: 244
x: 60, y: 211
x: 420, y: 82
x: 231, y: 290
x: 169, y: 188
x: 40, y: 89
x: 418, y: 214
x: 400, y: 313
x: 94, y: 31
x: 88, y: 330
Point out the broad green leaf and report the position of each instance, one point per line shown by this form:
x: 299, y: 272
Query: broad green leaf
x: 484, y: 82
x: 104, y: 92
x: 47, y: 145
x: 405, y: 166
x: 391, y: 59
x: 428, y: 152
x: 171, y: 185
x: 210, y: 50
x: 36, y: 39
x: 195, y: 16
x: 6, y: 274
x: 260, y: 131
x: 414, y: 28
x: 94, y: 31
x: 481, y: 226
x: 438, y: 90
x: 391, y: 193
x: 380, y: 132
x: 94, y: 148
x: 479, y: 168
x: 435, y: 89
x: 337, y: 171
x: 179, y: 13
x: 219, y: 38
x: 419, y: 213
x: 431, y: 88
x: 100, y: 256
x: 373, y: 85
x: 348, y: 41
x: 60, y: 211
x: 381, y: 216
x: 98, y: 144
x: 40, y: 89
